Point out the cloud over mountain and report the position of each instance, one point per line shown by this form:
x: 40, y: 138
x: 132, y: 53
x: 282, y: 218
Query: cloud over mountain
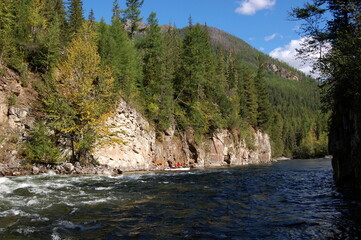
x: 288, y: 54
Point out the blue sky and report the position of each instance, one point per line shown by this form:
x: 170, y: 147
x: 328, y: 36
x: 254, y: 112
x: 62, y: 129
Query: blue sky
x: 264, y: 24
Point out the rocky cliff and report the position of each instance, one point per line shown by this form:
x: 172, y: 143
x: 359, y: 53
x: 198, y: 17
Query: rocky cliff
x: 16, y: 118
x: 141, y: 150
x: 345, y: 142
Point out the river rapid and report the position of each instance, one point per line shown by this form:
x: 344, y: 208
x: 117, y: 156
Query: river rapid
x: 293, y: 199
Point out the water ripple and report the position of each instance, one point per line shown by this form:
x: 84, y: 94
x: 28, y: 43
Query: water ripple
x: 285, y: 200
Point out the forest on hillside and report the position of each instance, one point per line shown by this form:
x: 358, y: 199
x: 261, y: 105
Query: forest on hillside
x: 174, y: 77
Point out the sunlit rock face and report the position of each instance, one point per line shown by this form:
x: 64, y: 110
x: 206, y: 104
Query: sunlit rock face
x: 138, y: 139
x: 142, y: 150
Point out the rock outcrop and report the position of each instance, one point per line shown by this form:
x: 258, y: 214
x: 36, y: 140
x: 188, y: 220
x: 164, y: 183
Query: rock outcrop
x: 282, y: 72
x: 141, y: 150
x: 137, y: 149
x: 16, y: 117
x: 344, y: 145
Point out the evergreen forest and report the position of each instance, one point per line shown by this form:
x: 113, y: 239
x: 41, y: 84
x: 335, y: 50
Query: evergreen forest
x: 197, y: 77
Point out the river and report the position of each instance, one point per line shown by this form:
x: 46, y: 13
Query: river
x: 293, y: 199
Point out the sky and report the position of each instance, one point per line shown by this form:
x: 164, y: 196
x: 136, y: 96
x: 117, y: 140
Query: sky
x: 264, y: 24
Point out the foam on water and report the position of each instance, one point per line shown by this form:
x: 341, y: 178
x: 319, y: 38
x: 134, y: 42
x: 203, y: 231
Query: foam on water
x: 17, y: 212
x: 103, y: 188
x: 291, y: 201
x: 4, y: 189
x: 26, y: 230
x: 71, y: 225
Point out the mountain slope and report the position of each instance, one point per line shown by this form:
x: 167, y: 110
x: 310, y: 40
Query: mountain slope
x: 295, y: 98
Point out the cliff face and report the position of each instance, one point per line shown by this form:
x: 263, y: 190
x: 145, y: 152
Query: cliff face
x: 16, y: 118
x: 345, y: 145
x: 284, y: 73
x: 141, y: 150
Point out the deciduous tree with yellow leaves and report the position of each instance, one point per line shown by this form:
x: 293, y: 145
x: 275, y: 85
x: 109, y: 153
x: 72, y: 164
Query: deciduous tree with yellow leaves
x: 83, y: 96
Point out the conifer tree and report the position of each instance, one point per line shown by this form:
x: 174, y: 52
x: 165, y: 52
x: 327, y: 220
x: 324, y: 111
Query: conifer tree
x: 232, y: 75
x: 75, y: 16
x: 153, y: 65
x: 249, y: 104
x: 104, y: 42
x: 158, y: 78
x: 132, y: 15
x: 36, y: 19
x: 276, y: 132
x: 91, y: 17
x: 56, y: 14
x: 263, y: 103
x: 197, y: 68
x: 7, y: 24
x: 117, y: 50
x: 195, y: 63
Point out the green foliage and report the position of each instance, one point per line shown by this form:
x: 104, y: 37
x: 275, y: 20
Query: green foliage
x: 158, y: 74
x: 263, y: 102
x: 313, y: 145
x: 12, y: 99
x: 132, y: 14
x: 340, y: 68
x: 118, y: 51
x: 41, y: 146
x: 82, y: 97
x: 75, y: 16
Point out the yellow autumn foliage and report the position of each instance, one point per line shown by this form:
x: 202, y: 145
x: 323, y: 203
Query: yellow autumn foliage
x: 85, y: 96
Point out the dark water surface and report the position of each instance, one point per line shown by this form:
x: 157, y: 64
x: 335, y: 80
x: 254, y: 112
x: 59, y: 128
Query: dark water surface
x: 285, y: 200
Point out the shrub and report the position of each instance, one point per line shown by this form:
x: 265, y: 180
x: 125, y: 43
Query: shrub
x: 40, y: 147
x: 12, y: 99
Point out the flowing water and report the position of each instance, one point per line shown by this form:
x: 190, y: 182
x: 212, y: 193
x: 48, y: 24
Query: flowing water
x: 285, y: 200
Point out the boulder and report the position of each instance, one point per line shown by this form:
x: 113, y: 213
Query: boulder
x: 68, y: 167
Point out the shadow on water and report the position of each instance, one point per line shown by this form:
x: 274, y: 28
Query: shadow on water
x: 286, y: 200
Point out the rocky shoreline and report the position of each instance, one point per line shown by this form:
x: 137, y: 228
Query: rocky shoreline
x: 62, y: 169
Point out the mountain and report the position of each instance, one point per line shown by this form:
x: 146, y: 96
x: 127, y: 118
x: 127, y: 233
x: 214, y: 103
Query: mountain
x: 301, y: 129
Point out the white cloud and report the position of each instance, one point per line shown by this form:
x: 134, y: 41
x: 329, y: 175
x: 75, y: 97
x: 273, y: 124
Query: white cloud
x: 269, y: 38
x: 250, y: 7
x: 261, y: 48
x: 288, y: 54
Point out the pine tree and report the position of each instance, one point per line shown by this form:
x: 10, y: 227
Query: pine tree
x: 36, y: 20
x: 104, y: 42
x: 196, y: 73
x: 232, y: 75
x: 195, y: 63
x: 75, y: 16
x: 249, y: 104
x: 7, y: 39
x: 158, y: 77
x: 153, y: 65
x: 119, y: 52
x: 132, y: 15
x: 91, y: 17
x: 263, y: 103
x: 56, y: 15
x: 276, y: 132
